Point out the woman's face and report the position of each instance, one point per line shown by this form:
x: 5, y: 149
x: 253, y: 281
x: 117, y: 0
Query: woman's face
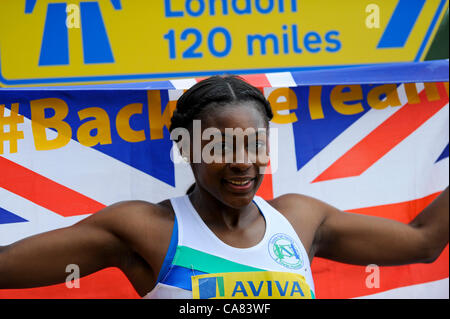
x: 235, y: 157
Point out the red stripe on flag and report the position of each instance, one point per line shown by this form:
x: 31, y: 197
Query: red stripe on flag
x: 402, y: 212
x: 257, y: 80
x: 109, y: 283
x: 44, y: 192
x: 335, y: 280
x: 338, y: 280
x: 266, y: 188
x: 385, y: 137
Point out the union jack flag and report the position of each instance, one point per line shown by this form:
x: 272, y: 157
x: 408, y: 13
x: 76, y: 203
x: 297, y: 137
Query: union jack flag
x: 382, y: 154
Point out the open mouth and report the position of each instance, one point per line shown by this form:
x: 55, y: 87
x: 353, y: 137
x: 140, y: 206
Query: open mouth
x: 241, y: 184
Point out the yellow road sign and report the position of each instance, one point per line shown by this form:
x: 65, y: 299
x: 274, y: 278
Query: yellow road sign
x: 60, y: 42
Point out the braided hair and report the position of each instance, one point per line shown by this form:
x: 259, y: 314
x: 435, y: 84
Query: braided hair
x: 216, y: 91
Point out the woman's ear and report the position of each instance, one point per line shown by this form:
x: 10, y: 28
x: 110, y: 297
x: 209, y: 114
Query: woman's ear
x: 181, y: 136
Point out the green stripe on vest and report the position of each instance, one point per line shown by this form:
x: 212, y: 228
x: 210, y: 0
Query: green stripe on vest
x: 195, y: 259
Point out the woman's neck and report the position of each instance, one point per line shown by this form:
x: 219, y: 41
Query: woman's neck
x: 216, y: 214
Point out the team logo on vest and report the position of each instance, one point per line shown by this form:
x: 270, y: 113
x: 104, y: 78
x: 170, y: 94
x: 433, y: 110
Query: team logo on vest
x: 285, y: 251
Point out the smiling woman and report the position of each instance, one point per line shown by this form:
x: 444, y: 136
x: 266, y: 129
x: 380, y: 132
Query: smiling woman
x: 221, y: 240
x: 240, y: 115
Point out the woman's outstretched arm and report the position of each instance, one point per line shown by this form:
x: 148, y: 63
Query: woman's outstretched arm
x: 42, y: 259
x: 363, y: 240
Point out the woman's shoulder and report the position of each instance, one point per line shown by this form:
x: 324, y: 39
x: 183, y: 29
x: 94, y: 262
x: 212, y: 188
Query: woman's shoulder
x: 299, y: 208
x: 162, y: 209
x: 134, y: 214
x: 295, y: 201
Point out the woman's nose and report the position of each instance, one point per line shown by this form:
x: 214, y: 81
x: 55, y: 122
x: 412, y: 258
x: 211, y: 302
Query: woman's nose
x: 242, y: 167
x: 241, y: 160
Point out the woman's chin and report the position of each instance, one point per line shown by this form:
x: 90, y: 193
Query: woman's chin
x: 238, y: 200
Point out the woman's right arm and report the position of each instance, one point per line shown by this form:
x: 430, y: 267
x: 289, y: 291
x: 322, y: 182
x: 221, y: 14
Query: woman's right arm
x: 41, y: 260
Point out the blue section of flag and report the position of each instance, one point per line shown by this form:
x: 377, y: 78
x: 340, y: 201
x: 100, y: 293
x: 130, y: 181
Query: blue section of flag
x: 96, y: 48
x: 155, y: 85
x: 55, y: 42
x: 444, y: 154
x: 404, y: 72
x: 401, y: 24
x: 149, y: 156
x: 6, y: 217
x: 313, y: 135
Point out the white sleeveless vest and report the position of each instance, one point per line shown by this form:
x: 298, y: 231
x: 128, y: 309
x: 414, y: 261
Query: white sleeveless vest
x: 199, y: 265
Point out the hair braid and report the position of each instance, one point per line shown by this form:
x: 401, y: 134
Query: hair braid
x: 218, y: 90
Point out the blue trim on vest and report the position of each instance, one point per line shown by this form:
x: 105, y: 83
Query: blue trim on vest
x: 180, y: 277
x: 259, y: 209
x: 170, y: 253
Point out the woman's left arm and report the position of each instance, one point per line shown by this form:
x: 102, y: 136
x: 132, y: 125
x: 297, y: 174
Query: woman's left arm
x: 362, y: 240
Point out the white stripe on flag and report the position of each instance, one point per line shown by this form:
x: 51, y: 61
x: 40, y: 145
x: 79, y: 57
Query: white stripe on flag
x: 281, y: 79
x: 183, y: 84
x: 430, y: 290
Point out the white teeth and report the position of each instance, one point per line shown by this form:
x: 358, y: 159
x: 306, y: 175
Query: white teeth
x: 239, y: 182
